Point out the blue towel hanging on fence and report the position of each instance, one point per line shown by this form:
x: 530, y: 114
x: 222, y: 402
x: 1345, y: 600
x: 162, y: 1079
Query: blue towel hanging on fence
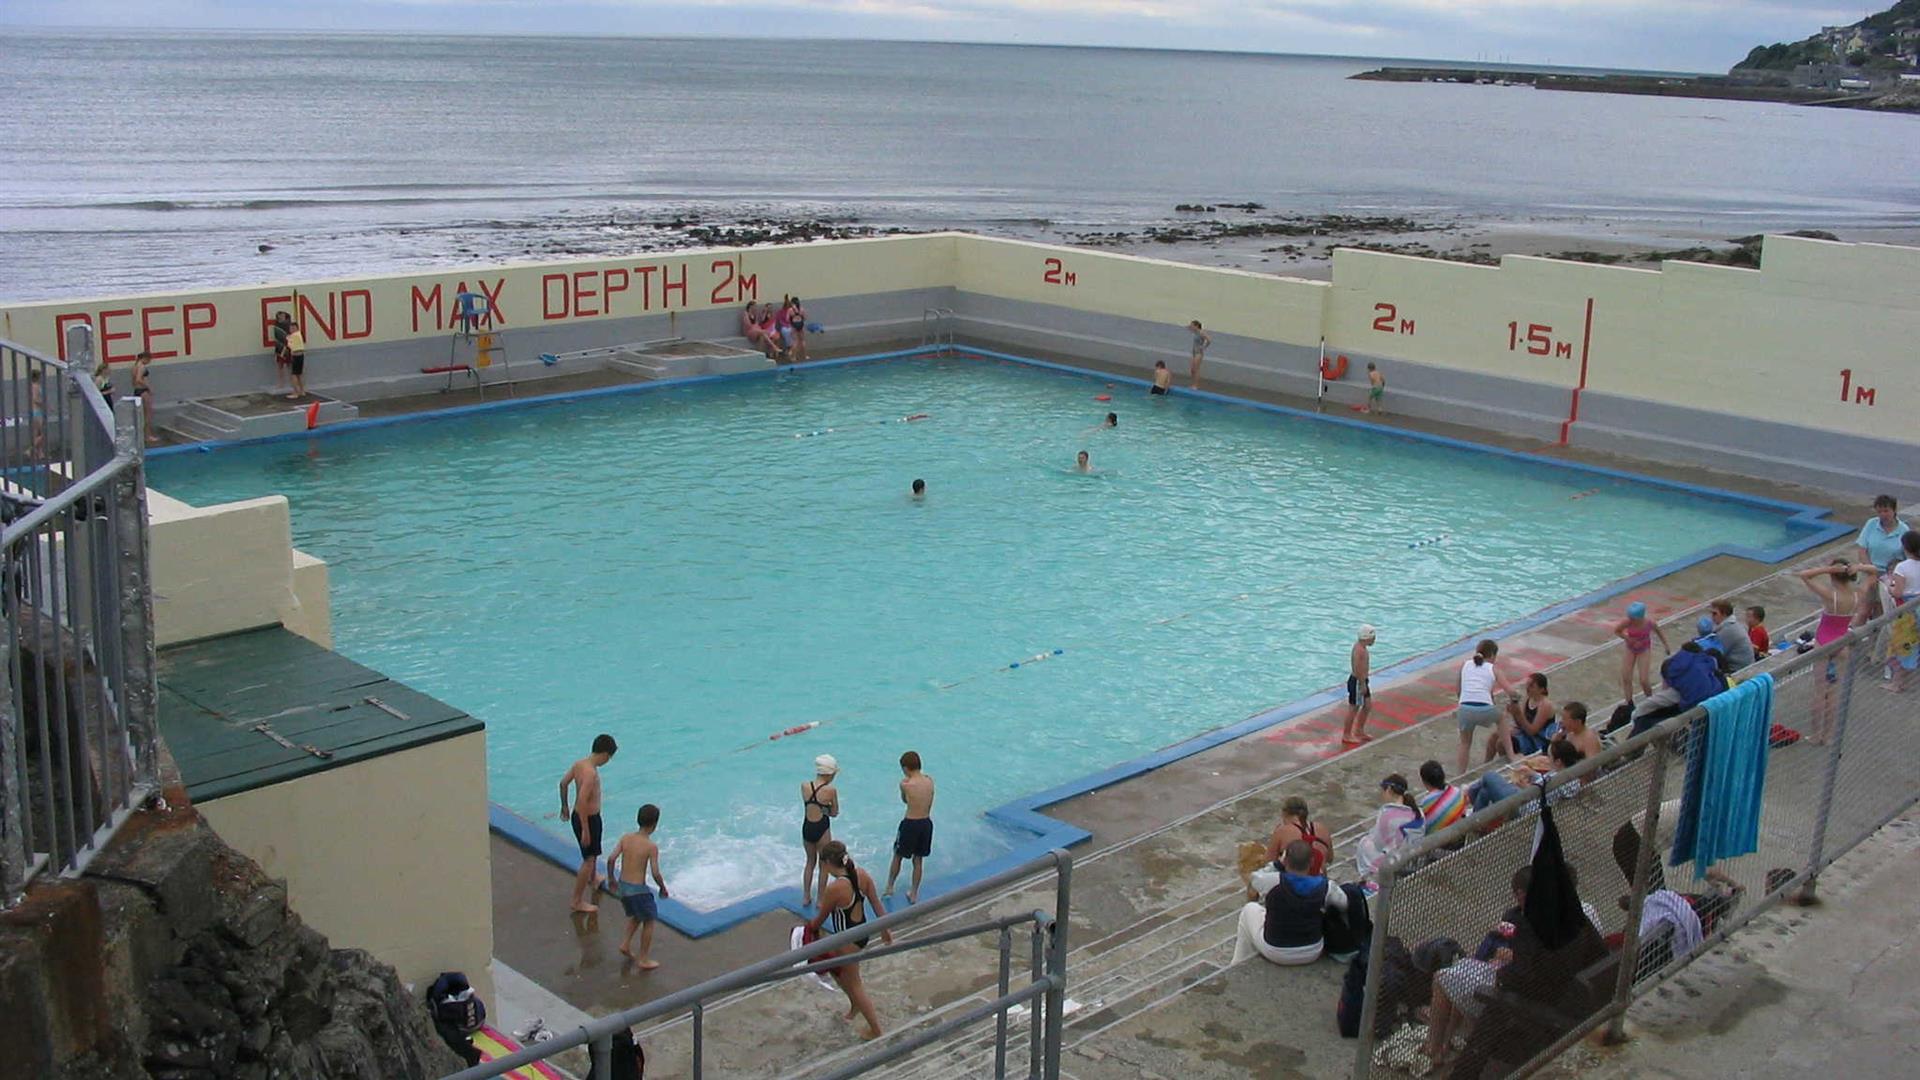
x: 1726, y: 776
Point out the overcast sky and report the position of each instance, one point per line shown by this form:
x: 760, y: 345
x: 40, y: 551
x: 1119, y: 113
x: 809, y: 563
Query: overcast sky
x: 1702, y: 35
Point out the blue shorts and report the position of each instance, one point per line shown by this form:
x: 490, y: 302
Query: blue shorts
x: 638, y: 902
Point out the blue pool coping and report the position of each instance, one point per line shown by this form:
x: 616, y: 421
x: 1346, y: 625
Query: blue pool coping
x: 1023, y: 815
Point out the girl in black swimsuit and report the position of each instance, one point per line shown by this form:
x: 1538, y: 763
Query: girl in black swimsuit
x: 815, y: 830
x: 843, y: 905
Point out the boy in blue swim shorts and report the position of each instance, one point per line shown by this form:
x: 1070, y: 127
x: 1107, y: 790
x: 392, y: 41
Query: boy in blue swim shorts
x: 633, y: 858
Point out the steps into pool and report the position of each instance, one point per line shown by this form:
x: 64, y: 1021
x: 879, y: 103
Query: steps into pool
x: 253, y: 416
x: 680, y: 358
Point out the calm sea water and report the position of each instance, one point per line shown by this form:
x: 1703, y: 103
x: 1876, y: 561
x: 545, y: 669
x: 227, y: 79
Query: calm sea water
x: 162, y: 160
x: 678, y: 569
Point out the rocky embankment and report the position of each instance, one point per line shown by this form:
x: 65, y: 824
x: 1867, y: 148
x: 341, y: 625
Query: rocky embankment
x: 175, y: 958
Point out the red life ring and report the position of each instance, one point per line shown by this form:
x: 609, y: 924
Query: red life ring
x: 1334, y: 369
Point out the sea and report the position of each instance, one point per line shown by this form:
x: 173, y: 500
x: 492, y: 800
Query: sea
x: 142, y: 161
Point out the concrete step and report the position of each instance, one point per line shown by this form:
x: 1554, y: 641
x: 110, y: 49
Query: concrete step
x: 191, y: 427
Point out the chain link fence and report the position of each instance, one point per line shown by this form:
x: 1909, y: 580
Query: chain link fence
x: 1458, y: 983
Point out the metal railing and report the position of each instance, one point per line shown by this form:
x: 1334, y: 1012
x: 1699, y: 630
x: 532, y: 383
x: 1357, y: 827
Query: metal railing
x: 1045, y: 988
x: 77, y: 736
x: 936, y: 328
x: 1838, y: 767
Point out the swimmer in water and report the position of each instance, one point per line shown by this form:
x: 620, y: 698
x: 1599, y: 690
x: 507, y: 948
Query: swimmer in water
x: 1162, y: 378
x: 1084, y: 463
x: 1113, y: 420
x: 919, y: 489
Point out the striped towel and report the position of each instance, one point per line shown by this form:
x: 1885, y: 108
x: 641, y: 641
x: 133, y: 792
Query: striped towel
x: 494, y: 1044
x: 1442, y: 808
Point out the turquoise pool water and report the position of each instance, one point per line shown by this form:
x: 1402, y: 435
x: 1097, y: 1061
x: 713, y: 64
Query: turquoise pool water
x: 679, y: 569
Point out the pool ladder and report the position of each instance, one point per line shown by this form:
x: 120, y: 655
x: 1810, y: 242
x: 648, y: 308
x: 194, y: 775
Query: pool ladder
x: 936, y: 329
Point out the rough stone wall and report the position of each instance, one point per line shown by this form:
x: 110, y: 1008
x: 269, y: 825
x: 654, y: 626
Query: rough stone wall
x: 176, y: 958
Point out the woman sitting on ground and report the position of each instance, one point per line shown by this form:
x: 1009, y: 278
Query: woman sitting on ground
x: 1296, y: 823
x: 1397, y: 821
x: 756, y: 330
x: 1534, y: 719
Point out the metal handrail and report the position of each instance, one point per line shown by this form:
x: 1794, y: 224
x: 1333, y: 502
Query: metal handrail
x: 76, y: 672
x: 1048, y: 983
x: 936, y: 328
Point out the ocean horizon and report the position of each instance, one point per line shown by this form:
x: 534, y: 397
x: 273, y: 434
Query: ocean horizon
x: 239, y: 156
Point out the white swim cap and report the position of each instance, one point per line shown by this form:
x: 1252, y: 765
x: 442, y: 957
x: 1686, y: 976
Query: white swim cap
x: 1366, y: 632
x: 825, y: 765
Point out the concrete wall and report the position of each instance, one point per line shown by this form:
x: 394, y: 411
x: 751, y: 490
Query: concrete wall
x: 389, y: 855
x: 220, y: 569
x: 363, y: 332
x: 1804, y: 370
x: 1736, y: 369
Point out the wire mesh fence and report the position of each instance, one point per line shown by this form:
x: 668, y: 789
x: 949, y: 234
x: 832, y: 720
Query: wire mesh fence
x: 1673, y: 839
x: 77, y: 744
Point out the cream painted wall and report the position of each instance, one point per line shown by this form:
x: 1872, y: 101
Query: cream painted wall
x: 390, y: 855
x: 1236, y: 302
x: 1783, y: 342
x: 1770, y: 344
x: 1767, y: 344
x: 219, y: 569
x: 1476, y: 318
x: 181, y: 327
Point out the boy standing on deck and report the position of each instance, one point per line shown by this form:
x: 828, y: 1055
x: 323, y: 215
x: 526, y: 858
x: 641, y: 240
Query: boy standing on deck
x: 633, y: 857
x: 1359, y: 693
x: 585, y: 816
x: 1376, y: 389
x: 915, y: 840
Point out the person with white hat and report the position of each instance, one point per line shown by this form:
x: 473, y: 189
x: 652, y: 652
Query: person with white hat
x: 819, y: 805
x: 1359, y: 693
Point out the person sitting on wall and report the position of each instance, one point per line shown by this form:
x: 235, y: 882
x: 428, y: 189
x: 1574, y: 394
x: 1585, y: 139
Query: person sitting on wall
x: 1287, y: 928
x: 759, y: 333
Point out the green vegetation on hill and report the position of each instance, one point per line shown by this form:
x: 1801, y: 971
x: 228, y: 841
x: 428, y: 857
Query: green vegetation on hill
x: 1887, y: 40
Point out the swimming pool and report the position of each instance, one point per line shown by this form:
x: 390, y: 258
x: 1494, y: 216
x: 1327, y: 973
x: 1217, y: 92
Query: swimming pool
x: 694, y: 568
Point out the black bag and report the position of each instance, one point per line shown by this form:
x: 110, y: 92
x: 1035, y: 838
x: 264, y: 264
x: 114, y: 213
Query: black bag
x: 629, y: 1060
x: 1552, y: 905
x: 1353, y: 993
x: 1343, y: 932
x: 454, y: 1004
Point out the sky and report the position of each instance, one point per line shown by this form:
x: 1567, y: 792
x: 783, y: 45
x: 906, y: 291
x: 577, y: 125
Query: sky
x: 1677, y: 35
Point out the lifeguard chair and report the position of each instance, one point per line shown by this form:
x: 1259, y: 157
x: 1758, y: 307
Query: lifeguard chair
x: 476, y: 343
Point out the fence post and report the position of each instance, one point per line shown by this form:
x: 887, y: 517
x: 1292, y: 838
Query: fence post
x: 1842, y: 710
x: 1642, y: 875
x: 138, y: 695
x: 1376, y: 956
x: 601, y: 1054
x: 1000, y: 1021
x: 13, y: 794
x: 1057, y: 966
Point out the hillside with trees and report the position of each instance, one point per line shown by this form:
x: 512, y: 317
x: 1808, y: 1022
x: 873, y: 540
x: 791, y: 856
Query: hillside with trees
x: 1888, y: 41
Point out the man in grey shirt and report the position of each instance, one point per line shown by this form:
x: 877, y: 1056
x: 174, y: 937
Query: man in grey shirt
x: 1734, y: 642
